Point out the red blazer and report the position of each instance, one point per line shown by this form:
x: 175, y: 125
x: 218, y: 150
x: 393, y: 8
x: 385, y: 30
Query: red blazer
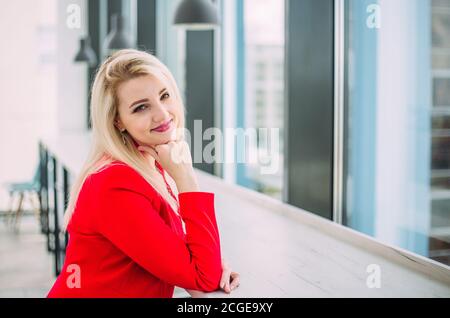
x: 126, y: 241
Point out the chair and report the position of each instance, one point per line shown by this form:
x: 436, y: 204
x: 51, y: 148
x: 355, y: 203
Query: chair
x: 25, y: 191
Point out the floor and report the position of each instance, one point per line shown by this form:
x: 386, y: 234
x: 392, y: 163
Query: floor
x: 25, y: 265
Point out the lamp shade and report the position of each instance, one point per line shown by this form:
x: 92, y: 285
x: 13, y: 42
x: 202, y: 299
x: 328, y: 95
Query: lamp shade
x: 196, y: 15
x: 118, y: 38
x: 86, y: 53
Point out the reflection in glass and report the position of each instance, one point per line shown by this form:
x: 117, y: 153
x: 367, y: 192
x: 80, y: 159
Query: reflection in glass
x: 261, y: 100
x: 397, y: 147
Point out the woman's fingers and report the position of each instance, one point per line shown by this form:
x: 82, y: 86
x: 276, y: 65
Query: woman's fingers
x: 226, y: 273
x: 235, y: 280
x: 225, y: 278
x: 232, y: 281
x: 164, y: 151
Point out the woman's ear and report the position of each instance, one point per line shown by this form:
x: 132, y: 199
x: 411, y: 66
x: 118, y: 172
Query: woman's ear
x: 118, y: 124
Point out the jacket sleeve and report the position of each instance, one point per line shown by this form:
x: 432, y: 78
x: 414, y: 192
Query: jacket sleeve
x: 128, y: 218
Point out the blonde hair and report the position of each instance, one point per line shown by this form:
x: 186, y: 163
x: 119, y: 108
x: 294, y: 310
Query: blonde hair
x: 107, y: 143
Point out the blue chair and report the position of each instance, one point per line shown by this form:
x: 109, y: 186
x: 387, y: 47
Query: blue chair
x: 24, y: 190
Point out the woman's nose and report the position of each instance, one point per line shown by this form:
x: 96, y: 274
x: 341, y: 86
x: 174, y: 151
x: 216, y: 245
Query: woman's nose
x: 160, y: 113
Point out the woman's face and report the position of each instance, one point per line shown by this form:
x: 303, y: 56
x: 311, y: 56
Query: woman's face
x: 148, y: 110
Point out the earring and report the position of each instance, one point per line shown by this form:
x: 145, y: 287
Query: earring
x: 124, y: 140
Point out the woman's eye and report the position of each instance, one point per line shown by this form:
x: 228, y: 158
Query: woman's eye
x: 165, y: 95
x: 139, y: 108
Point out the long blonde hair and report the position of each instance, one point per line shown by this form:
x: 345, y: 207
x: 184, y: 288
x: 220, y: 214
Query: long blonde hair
x: 107, y: 143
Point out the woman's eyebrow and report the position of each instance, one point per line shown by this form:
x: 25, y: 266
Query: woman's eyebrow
x: 146, y: 99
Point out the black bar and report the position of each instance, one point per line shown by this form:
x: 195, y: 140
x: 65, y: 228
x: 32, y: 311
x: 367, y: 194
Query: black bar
x: 66, y: 198
x: 43, y: 188
x: 200, y: 87
x: 146, y: 25
x: 55, y: 218
x: 309, y: 111
x: 94, y: 21
x: 45, y: 220
x: 114, y: 7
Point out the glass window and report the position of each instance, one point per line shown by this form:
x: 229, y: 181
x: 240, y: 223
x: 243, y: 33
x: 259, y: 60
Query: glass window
x: 397, y: 147
x: 260, y: 55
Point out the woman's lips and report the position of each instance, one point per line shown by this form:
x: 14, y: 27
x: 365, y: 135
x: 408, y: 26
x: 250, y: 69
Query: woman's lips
x: 164, y: 127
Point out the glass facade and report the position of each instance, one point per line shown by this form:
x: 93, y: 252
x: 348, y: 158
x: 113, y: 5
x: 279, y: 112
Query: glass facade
x: 397, y: 123
x: 261, y: 94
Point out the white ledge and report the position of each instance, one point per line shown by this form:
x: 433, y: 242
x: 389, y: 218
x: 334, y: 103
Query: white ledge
x: 282, y: 251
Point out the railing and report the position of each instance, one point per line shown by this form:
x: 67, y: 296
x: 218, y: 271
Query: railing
x: 52, y: 188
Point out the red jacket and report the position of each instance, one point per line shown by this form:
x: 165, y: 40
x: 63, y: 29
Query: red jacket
x: 126, y: 241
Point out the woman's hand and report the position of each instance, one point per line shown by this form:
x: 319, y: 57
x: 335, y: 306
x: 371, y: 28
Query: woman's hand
x: 230, y: 280
x: 175, y: 158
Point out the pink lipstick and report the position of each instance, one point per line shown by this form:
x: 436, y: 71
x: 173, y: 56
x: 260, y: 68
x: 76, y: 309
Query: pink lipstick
x: 164, y: 127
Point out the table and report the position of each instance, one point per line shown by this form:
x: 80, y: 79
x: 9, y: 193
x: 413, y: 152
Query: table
x: 283, y: 251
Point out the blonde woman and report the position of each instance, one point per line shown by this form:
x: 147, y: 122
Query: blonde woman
x: 137, y: 221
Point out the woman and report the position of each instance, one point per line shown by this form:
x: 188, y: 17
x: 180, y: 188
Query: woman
x: 138, y: 223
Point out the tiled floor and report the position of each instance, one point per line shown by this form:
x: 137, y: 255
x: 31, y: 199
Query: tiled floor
x: 25, y: 265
